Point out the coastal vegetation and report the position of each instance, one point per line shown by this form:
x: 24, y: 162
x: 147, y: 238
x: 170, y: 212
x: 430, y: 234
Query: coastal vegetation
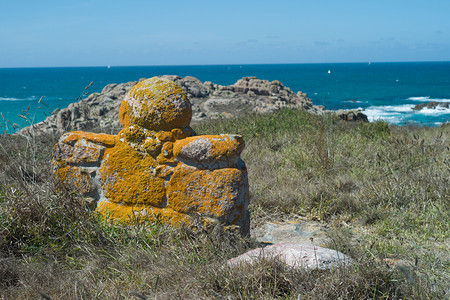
x: 382, y: 191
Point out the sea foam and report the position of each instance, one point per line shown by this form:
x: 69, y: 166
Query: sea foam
x: 401, y: 114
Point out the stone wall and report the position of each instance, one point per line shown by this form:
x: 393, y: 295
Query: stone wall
x: 156, y: 168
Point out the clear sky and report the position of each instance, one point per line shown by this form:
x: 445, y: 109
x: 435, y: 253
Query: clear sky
x: 49, y: 33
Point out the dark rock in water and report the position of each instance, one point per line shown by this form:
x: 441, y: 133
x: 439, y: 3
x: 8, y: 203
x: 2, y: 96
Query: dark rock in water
x: 431, y: 105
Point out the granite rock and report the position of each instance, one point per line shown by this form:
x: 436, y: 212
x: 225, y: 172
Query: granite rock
x: 209, y: 101
x: 299, y: 256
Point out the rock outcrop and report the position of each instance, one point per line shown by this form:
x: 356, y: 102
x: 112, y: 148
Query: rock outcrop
x: 209, y: 100
x: 432, y: 105
x: 156, y: 168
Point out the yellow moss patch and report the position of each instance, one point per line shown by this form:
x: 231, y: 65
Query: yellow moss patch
x: 211, y: 193
x: 127, y: 176
x: 132, y: 213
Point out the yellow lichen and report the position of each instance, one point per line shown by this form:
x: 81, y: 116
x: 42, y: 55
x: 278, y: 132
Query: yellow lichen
x: 182, y: 133
x: 124, y: 114
x: 99, y: 138
x: 163, y: 171
x: 222, y: 146
x: 226, y: 145
x: 134, y: 134
x: 127, y: 176
x: 166, y: 155
x: 152, y: 146
x: 165, y: 136
x: 211, y: 193
x: 157, y: 104
x: 131, y: 213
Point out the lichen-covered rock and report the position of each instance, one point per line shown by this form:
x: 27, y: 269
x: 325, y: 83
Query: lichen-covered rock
x: 156, y: 104
x: 210, y: 150
x: 156, y: 168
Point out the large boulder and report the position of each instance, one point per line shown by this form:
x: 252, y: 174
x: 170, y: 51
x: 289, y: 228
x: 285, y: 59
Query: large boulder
x: 156, y: 168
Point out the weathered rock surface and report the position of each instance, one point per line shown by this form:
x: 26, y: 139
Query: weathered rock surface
x: 156, y: 168
x: 295, y: 255
x: 209, y: 100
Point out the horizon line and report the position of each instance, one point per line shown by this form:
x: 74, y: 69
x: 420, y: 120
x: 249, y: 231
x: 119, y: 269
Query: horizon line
x: 233, y: 64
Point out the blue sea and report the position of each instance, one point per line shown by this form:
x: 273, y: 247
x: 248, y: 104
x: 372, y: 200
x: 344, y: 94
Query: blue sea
x: 386, y: 91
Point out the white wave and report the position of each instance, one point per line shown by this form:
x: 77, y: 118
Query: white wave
x: 388, y: 113
x: 428, y: 99
x: 18, y: 99
x: 397, y: 114
x: 439, y: 110
x: 405, y: 108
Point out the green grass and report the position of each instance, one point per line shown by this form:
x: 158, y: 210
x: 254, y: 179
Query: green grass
x: 382, y: 190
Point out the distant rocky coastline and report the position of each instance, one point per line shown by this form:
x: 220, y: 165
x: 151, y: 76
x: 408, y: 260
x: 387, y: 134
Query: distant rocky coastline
x: 209, y: 101
x: 431, y: 105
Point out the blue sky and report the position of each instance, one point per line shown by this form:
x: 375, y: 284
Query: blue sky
x: 100, y: 32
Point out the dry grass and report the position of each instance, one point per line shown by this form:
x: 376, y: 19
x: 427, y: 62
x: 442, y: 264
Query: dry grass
x: 383, y: 190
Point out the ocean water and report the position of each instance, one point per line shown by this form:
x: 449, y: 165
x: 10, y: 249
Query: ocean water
x: 386, y: 91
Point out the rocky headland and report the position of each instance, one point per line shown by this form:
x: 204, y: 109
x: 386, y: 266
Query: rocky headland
x: 209, y: 101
